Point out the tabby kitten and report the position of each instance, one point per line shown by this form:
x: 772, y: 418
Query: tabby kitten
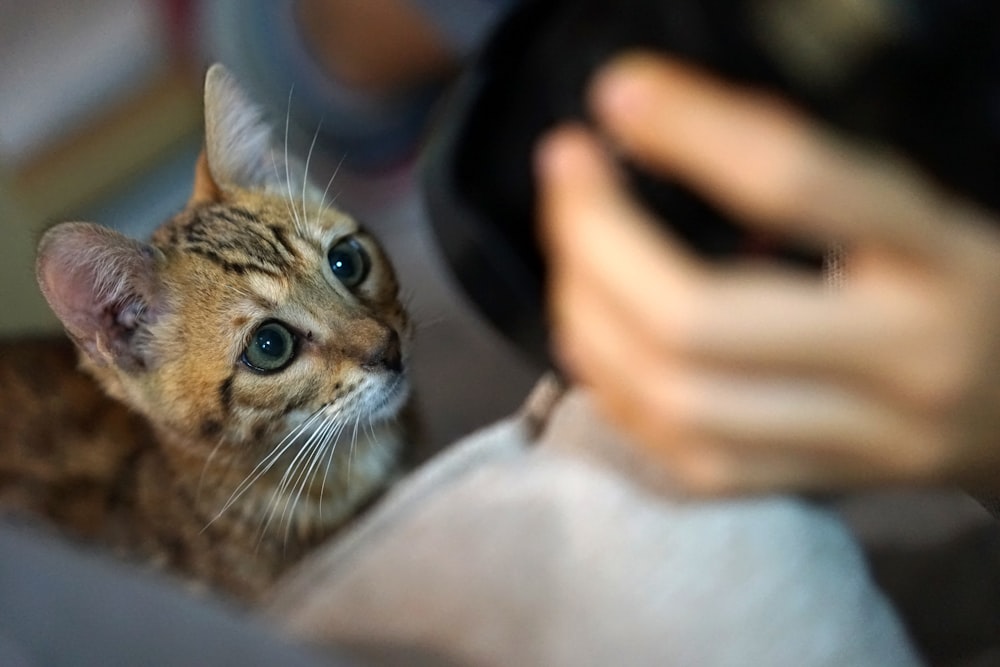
x: 260, y: 336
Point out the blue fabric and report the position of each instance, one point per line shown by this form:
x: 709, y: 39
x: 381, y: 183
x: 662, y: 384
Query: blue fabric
x: 62, y: 606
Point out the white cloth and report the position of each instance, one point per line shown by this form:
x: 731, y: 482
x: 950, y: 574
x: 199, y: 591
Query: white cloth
x: 515, y: 550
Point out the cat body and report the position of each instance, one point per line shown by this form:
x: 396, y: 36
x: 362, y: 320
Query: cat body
x: 253, y: 354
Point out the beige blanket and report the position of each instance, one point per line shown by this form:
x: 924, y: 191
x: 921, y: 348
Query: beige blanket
x: 539, y: 541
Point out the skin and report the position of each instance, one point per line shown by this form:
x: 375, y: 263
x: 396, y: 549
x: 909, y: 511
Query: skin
x: 749, y: 378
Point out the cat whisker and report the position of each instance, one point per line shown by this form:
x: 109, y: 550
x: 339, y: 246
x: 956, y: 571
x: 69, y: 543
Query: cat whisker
x: 423, y: 317
x: 332, y: 448
x: 354, y: 443
x: 277, y: 177
x: 309, y: 473
x: 302, y: 470
x: 333, y: 200
x: 426, y: 323
x: 266, y: 464
x: 208, y: 463
x: 323, y: 207
x: 321, y: 439
x: 289, y: 475
x: 288, y: 173
x: 305, y: 174
x: 296, y: 476
x: 371, y: 429
x: 333, y: 441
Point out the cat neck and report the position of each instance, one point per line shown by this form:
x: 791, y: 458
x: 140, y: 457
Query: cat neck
x: 290, y: 489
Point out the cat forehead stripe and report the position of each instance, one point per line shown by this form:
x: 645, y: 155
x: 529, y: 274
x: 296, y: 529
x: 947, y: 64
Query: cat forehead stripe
x: 237, y: 240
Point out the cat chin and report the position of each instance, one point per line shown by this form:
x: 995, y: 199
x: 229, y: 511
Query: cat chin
x: 385, y: 403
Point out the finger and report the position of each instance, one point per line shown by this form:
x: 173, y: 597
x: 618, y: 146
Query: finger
x: 720, y: 470
x: 704, y: 463
x: 759, y: 410
x: 585, y: 214
x: 748, y: 318
x: 759, y: 318
x: 762, y: 160
x: 670, y: 400
x: 598, y: 240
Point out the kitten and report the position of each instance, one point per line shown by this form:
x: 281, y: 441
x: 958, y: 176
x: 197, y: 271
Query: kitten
x: 260, y: 347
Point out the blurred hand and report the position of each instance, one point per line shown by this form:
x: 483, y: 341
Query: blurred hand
x: 748, y: 377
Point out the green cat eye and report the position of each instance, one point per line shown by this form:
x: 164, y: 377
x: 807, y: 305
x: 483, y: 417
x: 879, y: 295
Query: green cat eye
x: 349, y: 262
x: 271, y: 348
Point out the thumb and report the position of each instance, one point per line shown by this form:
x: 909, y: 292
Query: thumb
x: 590, y: 224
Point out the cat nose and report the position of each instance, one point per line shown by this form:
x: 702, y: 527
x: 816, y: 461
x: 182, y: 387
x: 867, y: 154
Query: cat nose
x: 386, y: 355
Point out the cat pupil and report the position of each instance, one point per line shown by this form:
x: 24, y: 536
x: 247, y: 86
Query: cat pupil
x: 270, y: 343
x: 271, y: 348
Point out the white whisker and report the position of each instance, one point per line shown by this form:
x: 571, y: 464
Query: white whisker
x: 337, y: 196
x: 371, y: 428
x: 288, y: 173
x: 299, y: 471
x: 208, y: 463
x: 322, y: 200
x: 332, y: 443
x: 317, y: 444
x: 292, y: 492
x: 287, y: 478
x: 266, y: 464
x: 350, y: 452
x: 277, y: 177
x: 305, y: 173
x: 308, y: 474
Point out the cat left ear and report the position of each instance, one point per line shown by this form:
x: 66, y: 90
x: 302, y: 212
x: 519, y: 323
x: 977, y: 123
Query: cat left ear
x: 239, y: 149
x: 205, y: 190
x: 101, y: 286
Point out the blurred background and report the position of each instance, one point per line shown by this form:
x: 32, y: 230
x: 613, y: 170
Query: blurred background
x: 100, y: 120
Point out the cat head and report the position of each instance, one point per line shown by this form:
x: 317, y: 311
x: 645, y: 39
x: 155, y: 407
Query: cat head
x: 256, y: 314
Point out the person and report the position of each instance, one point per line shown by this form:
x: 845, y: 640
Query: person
x: 749, y: 379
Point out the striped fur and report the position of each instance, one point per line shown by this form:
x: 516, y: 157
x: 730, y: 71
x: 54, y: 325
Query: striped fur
x: 230, y: 472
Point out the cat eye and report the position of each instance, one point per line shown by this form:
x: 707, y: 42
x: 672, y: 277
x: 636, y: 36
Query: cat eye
x: 349, y: 262
x: 271, y: 348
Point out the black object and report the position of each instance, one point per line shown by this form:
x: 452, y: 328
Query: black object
x: 921, y: 75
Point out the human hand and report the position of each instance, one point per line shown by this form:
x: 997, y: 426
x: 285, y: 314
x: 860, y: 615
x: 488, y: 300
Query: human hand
x: 748, y: 377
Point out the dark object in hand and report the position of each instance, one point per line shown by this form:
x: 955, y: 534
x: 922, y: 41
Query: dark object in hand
x: 920, y: 76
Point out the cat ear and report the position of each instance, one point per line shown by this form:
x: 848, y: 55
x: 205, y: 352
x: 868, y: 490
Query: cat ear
x: 205, y: 190
x: 101, y: 285
x: 239, y: 148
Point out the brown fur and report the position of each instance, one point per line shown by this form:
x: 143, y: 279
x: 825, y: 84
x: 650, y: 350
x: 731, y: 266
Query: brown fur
x: 177, y: 477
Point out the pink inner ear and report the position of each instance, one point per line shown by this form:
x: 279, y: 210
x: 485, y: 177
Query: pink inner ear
x: 97, y: 282
x: 205, y: 190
